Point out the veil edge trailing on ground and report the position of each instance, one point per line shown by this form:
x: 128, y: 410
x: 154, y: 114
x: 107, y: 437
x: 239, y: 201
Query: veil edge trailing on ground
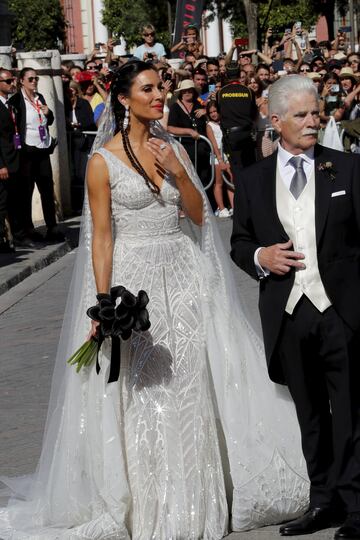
x: 249, y: 405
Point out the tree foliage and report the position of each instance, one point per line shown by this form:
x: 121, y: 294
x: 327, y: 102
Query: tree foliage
x: 37, y: 24
x: 278, y: 14
x: 126, y: 17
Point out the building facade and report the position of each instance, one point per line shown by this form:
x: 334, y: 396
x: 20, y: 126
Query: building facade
x: 84, y: 27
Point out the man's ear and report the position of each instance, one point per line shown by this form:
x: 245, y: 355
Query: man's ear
x: 276, y: 122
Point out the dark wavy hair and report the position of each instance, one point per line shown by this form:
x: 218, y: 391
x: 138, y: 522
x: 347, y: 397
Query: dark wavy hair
x: 121, y: 84
x: 22, y: 74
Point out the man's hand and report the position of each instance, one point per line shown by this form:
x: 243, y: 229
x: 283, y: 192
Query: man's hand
x: 279, y: 259
x: 4, y: 174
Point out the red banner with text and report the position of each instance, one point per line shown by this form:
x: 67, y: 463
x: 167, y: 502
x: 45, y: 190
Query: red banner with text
x: 187, y: 12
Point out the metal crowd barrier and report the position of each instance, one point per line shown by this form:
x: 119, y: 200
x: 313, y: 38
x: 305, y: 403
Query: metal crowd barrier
x: 212, y: 155
x: 180, y: 137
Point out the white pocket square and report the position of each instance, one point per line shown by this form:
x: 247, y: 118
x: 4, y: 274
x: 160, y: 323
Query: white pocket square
x: 338, y: 193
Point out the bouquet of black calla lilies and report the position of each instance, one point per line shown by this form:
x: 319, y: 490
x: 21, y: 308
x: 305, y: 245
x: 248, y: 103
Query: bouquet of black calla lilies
x: 115, y: 321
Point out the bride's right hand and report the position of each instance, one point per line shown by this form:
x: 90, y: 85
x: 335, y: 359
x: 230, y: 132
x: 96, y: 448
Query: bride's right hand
x: 94, y: 330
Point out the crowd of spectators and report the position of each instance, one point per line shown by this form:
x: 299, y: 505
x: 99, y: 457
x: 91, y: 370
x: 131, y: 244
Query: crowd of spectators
x: 192, y: 83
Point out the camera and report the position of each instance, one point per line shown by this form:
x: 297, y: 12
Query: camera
x: 97, y: 46
x: 150, y: 56
x: 335, y: 88
x: 167, y: 77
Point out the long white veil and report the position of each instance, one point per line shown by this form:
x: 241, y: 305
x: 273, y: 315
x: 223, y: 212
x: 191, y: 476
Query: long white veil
x: 257, y: 417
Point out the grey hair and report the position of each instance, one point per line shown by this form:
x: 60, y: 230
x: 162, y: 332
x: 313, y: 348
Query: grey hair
x: 281, y: 91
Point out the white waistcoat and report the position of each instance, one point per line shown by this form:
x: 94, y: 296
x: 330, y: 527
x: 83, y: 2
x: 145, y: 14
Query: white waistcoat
x: 298, y: 219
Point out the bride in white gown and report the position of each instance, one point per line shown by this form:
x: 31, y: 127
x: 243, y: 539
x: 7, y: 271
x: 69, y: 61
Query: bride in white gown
x: 140, y: 458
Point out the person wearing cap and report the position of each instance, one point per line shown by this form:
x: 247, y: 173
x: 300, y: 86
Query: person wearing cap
x: 238, y: 113
x: 187, y: 119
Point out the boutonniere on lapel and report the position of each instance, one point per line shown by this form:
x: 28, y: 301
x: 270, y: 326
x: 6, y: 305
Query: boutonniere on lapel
x: 327, y: 167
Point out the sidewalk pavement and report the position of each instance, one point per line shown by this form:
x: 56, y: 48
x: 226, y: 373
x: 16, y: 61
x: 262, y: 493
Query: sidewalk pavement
x: 15, y: 267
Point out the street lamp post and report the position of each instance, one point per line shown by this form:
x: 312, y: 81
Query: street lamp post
x: 5, y: 24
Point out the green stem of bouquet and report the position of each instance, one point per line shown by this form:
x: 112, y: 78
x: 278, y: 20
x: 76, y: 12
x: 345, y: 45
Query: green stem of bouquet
x: 85, y: 355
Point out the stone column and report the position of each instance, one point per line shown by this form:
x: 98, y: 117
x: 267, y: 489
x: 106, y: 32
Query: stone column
x: 101, y: 33
x: 227, y: 35
x: 42, y: 62
x: 212, y: 38
x: 87, y: 25
x: 60, y: 159
x: 78, y: 59
x: 5, y: 57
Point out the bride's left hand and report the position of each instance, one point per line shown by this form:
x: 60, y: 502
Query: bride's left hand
x: 165, y: 156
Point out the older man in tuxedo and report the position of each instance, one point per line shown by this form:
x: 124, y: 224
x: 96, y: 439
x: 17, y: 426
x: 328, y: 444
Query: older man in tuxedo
x: 297, y: 230
x: 9, y: 155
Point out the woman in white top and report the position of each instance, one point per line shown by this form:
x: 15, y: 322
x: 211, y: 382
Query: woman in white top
x: 222, y: 166
x: 150, y: 49
x: 33, y: 117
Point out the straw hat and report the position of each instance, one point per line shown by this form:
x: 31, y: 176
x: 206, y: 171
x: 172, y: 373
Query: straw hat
x: 347, y: 73
x: 314, y: 75
x: 186, y: 84
x: 339, y: 56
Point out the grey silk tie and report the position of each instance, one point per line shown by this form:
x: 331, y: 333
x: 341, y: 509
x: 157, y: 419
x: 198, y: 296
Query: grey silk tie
x: 298, y: 181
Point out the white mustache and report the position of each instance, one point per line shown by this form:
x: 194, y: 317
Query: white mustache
x: 310, y: 132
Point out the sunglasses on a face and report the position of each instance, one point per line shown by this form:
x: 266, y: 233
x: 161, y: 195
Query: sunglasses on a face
x: 32, y: 79
x: 7, y: 81
x: 148, y: 34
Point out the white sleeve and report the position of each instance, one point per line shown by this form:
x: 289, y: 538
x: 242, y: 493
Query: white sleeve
x: 262, y: 272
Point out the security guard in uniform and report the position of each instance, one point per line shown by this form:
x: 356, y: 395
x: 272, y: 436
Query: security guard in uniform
x: 238, y: 113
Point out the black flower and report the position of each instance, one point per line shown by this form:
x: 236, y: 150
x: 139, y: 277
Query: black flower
x: 327, y: 167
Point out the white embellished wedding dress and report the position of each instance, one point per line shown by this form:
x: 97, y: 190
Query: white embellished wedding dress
x: 140, y: 458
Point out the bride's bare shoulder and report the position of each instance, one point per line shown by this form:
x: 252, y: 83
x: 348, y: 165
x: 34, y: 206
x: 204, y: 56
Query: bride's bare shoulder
x: 115, y: 145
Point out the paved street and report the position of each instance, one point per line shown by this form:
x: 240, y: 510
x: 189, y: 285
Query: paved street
x: 30, y: 322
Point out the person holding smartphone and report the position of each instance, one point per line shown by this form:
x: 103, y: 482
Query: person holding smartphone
x: 331, y: 100
x: 150, y: 50
x: 190, y: 42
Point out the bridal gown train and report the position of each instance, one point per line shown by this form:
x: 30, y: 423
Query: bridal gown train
x: 140, y: 458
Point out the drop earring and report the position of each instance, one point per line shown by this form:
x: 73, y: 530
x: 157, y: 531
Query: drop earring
x: 126, y: 118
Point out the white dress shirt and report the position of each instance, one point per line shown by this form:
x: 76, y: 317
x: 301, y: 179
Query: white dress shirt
x: 4, y: 101
x: 32, y: 136
x: 287, y: 172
